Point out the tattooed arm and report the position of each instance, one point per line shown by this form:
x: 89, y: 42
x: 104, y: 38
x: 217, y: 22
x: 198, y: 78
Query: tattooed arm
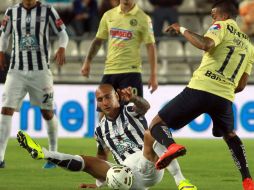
x: 201, y: 42
x: 141, y: 105
x: 92, y: 52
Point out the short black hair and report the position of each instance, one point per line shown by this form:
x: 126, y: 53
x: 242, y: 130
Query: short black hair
x: 227, y: 6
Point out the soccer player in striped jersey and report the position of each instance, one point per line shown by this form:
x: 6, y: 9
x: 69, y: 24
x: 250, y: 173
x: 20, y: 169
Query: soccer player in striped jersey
x: 224, y: 71
x: 122, y: 131
x: 28, y: 22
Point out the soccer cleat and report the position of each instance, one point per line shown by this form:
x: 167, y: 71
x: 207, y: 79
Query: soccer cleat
x: 49, y: 165
x: 248, y: 184
x: 186, y: 185
x: 30, y: 145
x: 174, y: 151
x: 2, y: 164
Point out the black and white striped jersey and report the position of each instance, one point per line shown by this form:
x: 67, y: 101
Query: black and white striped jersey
x: 124, y: 136
x: 30, y: 35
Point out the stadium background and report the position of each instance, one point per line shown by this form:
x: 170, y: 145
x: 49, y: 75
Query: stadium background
x: 177, y: 59
x: 75, y: 108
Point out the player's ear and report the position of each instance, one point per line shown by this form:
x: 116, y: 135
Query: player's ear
x: 117, y: 96
x: 225, y: 16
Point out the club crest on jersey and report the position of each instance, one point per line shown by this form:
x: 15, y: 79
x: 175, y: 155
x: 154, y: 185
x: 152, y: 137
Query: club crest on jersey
x: 215, y: 27
x: 121, y: 34
x: 133, y: 22
x: 58, y: 22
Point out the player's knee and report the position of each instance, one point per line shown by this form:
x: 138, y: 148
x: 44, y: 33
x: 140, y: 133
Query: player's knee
x: 47, y: 114
x: 148, y: 137
x: 228, y: 136
x: 77, y: 164
x: 7, y: 111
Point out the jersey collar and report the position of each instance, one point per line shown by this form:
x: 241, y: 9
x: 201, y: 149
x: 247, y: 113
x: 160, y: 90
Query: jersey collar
x: 133, y: 11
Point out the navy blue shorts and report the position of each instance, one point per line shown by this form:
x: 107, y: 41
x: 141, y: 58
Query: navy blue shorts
x: 191, y: 103
x: 124, y: 80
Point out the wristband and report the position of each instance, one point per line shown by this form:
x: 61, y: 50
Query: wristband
x: 182, y: 30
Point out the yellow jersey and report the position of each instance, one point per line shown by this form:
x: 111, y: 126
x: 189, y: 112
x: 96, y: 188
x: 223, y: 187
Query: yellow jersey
x: 222, y: 67
x: 125, y: 32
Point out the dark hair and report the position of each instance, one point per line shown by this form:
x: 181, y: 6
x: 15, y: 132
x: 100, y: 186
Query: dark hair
x: 229, y: 7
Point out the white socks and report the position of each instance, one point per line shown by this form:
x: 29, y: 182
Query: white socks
x: 67, y: 161
x: 52, y: 133
x: 5, y: 132
x: 173, y: 168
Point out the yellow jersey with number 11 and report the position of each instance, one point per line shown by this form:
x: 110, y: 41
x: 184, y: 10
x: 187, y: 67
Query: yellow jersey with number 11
x: 222, y: 67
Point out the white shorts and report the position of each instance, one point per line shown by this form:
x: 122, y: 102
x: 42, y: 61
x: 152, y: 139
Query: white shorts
x: 145, y: 173
x: 38, y: 84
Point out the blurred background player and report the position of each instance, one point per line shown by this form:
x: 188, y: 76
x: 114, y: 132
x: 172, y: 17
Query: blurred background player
x: 85, y: 16
x: 164, y: 11
x: 246, y: 10
x: 224, y: 71
x: 29, y: 72
x: 125, y: 28
x: 107, y: 5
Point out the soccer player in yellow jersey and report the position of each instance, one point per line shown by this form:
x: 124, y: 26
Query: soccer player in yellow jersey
x: 125, y: 28
x: 224, y: 71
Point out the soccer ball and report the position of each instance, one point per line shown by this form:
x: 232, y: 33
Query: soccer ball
x: 119, y: 178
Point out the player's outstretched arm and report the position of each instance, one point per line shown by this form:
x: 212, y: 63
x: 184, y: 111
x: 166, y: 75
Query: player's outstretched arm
x: 60, y: 54
x: 152, y: 58
x: 201, y: 42
x: 141, y: 104
x: 92, y: 52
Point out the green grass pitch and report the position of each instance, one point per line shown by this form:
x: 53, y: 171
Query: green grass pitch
x: 207, y: 164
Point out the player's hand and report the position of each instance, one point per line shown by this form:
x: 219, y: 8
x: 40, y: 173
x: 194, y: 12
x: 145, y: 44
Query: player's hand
x: 85, y: 70
x: 60, y: 56
x: 87, y: 186
x: 2, y: 61
x: 175, y: 28
x: 125, y: 94
x: 152, y: 84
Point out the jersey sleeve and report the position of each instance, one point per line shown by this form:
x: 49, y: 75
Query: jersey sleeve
x: 250, y: 62
x: 98, y: 138
x: 55, y: 21
x: 130, y: 109
x: 216, y: 32
x: 148, y: 35
x: 102, y: 32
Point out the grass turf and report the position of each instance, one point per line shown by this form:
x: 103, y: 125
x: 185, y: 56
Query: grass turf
x: 208, y: 165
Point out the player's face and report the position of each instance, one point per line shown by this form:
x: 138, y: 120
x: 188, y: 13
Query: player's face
x: 29, y: 3
x: 217, y: 15
x: 107, y: 101
x: 127, y: 2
